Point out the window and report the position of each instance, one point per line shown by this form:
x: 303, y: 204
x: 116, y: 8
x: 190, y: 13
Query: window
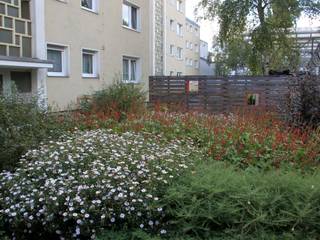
x: 22, y: 81
x: 179, y: 5
x: 58, y: 56
x: 196, y: 47
x: 179, y: 53
x: 171, y: 73
x: 89, y: 63
x: 191, y: 46
x: 91, y: 5
x: 179, y: 74
x: 179, y: 29
x: 130, y: 16
x: 196, y: 64
x: 130, y: 70
x: 196, y: 31
x: 1, y: 84
x: 172, y: 50
x: 253, y: 99
x: 187, y: 44
x: 172, y: 25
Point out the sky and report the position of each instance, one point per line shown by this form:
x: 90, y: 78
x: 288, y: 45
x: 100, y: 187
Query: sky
x: 209, y: 29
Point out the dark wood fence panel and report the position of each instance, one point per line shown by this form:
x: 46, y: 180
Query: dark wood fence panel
x: 217, y: 94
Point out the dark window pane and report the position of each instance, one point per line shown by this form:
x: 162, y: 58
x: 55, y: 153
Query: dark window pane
x: 1, y: 84
x: 134, y: 17
x: 26, y: 47
x: 25, y: 9
x: 20, y: 27
x: 125, y: 74
x: 87, y: 4
x: 8, y: 23
x: 22, y: 80
x: 3, y: 50
x: 55, y: 56
x: 5, y: 36
x: 2, y: 8
x: 87, y: 63
x: 14, y: 51
x: 12, y: 11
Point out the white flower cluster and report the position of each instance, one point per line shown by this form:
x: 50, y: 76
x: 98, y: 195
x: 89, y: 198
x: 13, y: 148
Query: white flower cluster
x: 90, y: 180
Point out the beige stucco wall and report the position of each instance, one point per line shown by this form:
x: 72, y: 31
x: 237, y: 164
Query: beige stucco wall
x: 68, y: 24
x: 194, y: 38
x: 172, y: 63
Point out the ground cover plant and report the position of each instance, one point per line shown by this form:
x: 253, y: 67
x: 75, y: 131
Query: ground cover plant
x: 90, y: 180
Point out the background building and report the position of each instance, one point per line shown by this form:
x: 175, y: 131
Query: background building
x: 177, y: 40
x: 206, y: 67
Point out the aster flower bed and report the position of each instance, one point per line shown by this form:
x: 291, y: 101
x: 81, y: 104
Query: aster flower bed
x: 91, y: 180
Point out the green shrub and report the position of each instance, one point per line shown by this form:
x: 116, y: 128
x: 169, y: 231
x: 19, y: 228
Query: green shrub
x: 216, y: 200
x: 117, y: 100
x: 22, y: 126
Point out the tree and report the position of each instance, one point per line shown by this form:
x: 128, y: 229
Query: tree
x: 260, y: 27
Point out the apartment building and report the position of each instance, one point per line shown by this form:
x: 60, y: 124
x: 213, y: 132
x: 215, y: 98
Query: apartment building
x: 180, y: 37
x: 64, y: 49
x: 68, y: 48
x: 192, y: 48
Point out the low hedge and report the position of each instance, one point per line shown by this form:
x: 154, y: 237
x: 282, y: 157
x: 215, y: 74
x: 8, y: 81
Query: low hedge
x: 219, y: 200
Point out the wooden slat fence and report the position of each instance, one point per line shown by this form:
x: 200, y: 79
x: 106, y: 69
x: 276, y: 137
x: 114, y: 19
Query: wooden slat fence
x: 217, y: 94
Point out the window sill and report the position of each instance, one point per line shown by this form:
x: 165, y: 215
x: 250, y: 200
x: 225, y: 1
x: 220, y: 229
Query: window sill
x: 131, y: 82
x: 132, y: 29
x: 90, y: 10
x: 57, y: 76
x: 86, y: 76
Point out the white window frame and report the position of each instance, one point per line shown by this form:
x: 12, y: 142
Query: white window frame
x: 64, y: 49
x: 130, y: 5
x: 172, y: 25
x: 179, y: 29
x: 95, y: 63
x: 179, y: 52
x: 171, y: 49
x: 196, y: 46
x: 179, y: 5
x: 95, y: 6
x: 138, y: 70
x: 196, y: 64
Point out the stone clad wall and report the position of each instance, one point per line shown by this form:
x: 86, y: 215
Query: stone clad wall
x: 159, y: 37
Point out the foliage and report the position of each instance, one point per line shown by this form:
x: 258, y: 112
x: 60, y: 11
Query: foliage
x: 302, y: 106
x: 23, y: 125
x: 216, y: 200
x: 89, y: 180
x: 117, y: 100
x: 245, y: 139
x: 264, y: 26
